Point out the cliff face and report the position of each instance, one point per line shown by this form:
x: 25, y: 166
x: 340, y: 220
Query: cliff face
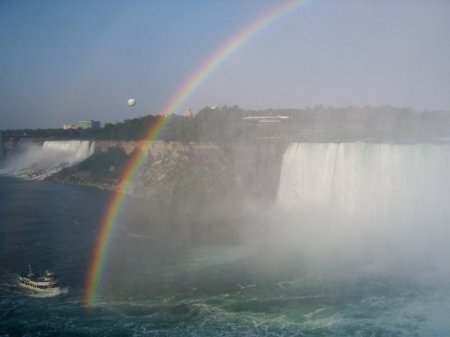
x: 180, y: 170
x: 175, y: 170
x: 186, y: 191
x: 257, y: 167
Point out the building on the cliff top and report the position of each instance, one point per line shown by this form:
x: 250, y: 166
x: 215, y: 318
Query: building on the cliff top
x: 89, y: 124
x: 262, y: 120
x: 266, y: 127
x: 70, y: 126
x: 187, y: 112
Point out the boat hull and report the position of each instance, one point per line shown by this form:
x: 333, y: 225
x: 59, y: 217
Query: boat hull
x: 38, y: 287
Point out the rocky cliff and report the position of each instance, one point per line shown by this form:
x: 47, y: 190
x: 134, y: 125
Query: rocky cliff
x: 177, y: 170
x: 202, y: 186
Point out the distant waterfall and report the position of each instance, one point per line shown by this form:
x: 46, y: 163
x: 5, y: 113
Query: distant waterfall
x: 40, y: 161
x: 370, y: 180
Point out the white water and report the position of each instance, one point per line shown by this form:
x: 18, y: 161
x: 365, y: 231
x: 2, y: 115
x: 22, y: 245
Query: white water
x: 385, y: 199
x: 40, y: 161
x: 50, y: 293
x: 365, y: 178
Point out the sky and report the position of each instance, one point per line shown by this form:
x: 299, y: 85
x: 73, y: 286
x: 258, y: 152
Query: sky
x: 65, y: 61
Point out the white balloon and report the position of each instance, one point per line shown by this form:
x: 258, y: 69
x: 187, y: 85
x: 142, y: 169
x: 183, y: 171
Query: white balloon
x: 131, y: 102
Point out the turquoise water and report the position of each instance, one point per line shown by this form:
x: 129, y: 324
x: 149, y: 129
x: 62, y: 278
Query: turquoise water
x: 151, y: 288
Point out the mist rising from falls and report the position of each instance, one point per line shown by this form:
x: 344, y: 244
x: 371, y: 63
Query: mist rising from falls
x: 40, y: 161
x: 386, y: 202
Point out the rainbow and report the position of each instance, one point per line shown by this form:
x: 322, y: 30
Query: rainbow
x: 116, y: 202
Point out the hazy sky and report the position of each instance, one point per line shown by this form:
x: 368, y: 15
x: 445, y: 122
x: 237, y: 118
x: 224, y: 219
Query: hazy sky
x: 64, y: 61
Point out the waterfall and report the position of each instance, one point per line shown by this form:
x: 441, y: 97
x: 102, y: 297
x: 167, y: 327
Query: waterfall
x: 40, y: 161
x: 382, y: 200
x: 365, y: 179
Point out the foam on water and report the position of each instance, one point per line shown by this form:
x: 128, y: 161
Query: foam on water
x: 50, y: 293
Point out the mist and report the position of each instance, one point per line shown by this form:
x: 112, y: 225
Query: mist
x: 341, y: 211
x: 378, y: 208
x: 36, y: 161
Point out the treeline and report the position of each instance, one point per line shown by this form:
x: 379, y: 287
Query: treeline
x: 208, y: 124
x: 176, y: 128
x: 224, y: 124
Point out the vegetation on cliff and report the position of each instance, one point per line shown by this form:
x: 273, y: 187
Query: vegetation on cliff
x: 102, y: 169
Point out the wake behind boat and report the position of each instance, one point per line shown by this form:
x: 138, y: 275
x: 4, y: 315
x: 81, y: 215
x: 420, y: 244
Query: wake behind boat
x: 40, y: 283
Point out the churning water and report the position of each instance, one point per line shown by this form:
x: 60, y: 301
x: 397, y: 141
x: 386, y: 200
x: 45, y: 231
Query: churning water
x: 369, y: 280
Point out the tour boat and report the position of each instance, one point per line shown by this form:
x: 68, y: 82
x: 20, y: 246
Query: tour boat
x: 37, y: 282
